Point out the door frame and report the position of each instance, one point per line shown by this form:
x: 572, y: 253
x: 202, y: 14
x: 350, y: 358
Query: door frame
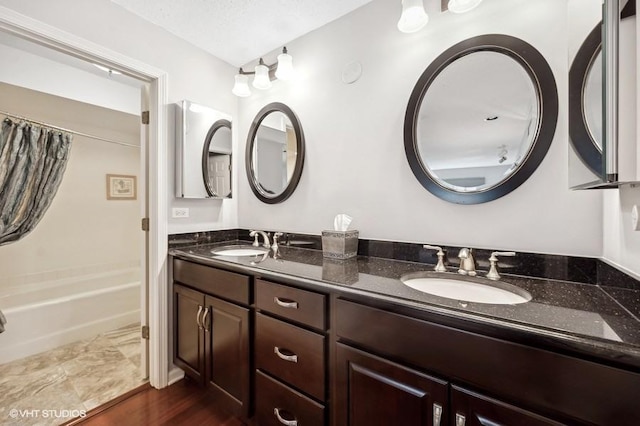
x: 156, y: 167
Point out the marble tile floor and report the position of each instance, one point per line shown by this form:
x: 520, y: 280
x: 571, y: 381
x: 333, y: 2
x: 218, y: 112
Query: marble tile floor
x: 52, y: 387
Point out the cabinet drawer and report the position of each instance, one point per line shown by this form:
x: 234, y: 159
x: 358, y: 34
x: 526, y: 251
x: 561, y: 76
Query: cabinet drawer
x: 217, y: 282
x: 274, y: 400
x: 303, y: 306
x: 294, y: 355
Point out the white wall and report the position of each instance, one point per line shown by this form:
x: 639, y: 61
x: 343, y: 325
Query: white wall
x: 621, y: 243
x: 355, y: 160
x: 81, y: 228
x: 35, y: 72
x: 193, y: 74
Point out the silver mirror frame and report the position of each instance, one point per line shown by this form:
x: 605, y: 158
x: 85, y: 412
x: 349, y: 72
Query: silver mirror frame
x: 543, y: 80
x: 300, y: 147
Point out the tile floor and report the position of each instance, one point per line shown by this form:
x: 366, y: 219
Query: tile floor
x: 75, y: 377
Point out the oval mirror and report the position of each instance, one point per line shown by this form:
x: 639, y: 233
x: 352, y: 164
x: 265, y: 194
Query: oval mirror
x: 481, y: 119
x: 216, y: 160
x: 585, y: 102
x: 275, y: 153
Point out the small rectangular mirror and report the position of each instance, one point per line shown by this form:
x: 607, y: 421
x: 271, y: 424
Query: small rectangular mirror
x: 203, y: 152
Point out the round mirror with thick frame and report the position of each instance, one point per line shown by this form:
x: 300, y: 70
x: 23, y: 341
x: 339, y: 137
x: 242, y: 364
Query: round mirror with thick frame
x: 275, y: 153
x: 585, y: 102
x: 216, y: 160
x: 480, y: 119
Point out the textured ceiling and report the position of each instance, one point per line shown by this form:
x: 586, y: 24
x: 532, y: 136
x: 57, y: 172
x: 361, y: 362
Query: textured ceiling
x: 240, y: 31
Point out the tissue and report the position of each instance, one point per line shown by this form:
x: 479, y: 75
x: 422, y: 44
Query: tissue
x: 341, y: 222
x: 340, y: 243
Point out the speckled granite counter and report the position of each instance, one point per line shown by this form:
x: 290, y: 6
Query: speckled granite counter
x: 577, y: 318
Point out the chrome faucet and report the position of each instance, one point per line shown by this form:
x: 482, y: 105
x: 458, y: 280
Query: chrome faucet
x: 276, y: 235
x: 265, y: 237
x: 467, y: 263
x: 493, y: 270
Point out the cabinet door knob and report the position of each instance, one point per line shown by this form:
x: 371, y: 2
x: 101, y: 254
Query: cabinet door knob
x: 198, y: 317
x: 437, y: 414
x: 290, y: 358
x: 285, y: 304
x: 276, y: 411
x: 460, y: 419
x: 204, y: 320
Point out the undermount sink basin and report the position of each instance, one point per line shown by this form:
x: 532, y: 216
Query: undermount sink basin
x: 239, y: 250
x: 475, y: 290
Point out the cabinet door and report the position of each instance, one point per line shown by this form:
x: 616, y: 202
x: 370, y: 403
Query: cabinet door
x: 227, y: 353
x: 471, y: 409
x: 188, y: 350
x: 373, y: 391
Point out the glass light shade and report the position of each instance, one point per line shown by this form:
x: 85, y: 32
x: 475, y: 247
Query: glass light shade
x: 241, y: 86
x: 261, y: 80
x: 285, y: 67
x: 462, y: 6
x: 413, y: 17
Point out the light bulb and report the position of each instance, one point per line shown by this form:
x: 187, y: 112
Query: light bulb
x: 261, y: 80
x: 285, y: 66
x: 413, y: 17
x: 241, y: 86
x: 462, y: 6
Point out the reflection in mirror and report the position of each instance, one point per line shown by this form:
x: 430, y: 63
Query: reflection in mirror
x: 481, y: 119
x: 275, y: 153
x: 592, y: 100
x: 585, y: 111
x: 477, y: 121
x: 203, y: 152
x: 216, y: 160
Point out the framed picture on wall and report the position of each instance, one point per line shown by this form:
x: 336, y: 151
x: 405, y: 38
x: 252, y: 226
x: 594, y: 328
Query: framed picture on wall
x: 121, y: 187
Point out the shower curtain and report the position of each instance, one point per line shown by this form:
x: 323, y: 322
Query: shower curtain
x: 32, y: 162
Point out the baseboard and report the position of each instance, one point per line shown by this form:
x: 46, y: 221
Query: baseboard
x: 175, y: 374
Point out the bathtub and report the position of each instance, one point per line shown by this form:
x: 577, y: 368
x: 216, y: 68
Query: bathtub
x: 44, y: 314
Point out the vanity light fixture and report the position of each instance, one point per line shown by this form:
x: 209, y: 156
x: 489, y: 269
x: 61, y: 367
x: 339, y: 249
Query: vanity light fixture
x: 413, y: 17
x: 264, y: 74
x: 462, y: 6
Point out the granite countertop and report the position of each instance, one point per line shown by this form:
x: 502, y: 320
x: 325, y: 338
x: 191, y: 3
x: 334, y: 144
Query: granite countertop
x: 582, y: 317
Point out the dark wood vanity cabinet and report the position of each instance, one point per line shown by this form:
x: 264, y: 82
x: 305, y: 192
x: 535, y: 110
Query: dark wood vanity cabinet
x: 473, y: 409
x: 373, y: 391
x: 290, y: 355
x: 212, y: 337
x: 391, y: 366
x: 330, y: 359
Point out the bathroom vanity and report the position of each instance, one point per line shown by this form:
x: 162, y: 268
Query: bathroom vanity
x: 311, y: 341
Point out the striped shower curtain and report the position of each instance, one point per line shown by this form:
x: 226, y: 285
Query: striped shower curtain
x: 32, y: 163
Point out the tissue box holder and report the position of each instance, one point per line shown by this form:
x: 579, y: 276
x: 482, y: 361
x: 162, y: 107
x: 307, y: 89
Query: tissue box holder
x: 340, y: 244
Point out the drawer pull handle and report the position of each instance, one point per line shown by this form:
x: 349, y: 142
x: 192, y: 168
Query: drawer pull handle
x: 285, y: 304
x: 276, y: 411
x: 204, y: 320
x: 290, y: 358
x: 460, y: 419
x: 198, y: 317
x: 437, y: 414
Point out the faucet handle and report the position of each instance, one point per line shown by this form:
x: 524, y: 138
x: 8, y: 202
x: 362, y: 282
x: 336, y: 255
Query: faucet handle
x: 276, y: 235
x: 493, y: 270
x: 440, y: 253
x: 254, y: 234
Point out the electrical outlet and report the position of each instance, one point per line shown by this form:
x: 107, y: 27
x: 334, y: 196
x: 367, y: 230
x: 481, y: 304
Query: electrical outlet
x: 180, y: 212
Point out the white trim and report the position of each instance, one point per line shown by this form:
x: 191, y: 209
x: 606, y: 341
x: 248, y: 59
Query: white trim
x: 175, y: 375
x: 47, y: 35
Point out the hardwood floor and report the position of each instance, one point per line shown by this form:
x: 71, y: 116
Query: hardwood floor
x: 182, y: 403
